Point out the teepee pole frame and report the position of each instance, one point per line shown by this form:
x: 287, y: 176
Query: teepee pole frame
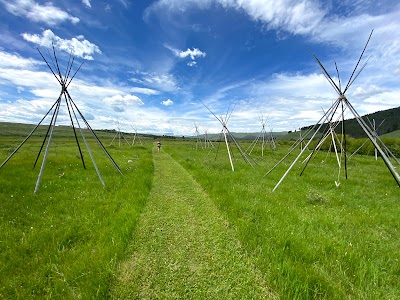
x: 64, y: 80
x: 342, y: 103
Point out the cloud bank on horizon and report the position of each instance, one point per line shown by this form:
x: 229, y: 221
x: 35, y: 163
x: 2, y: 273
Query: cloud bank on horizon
x: 150, y: 64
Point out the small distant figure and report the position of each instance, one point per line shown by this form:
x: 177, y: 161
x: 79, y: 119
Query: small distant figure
x: 158, y: 146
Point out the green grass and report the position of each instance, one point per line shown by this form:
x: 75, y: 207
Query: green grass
x: 184, y: 248
x: 65, y: 241
x: 307, y: 240
x: 310, y: 239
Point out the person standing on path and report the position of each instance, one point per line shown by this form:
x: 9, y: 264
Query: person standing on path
x: 158, y: 146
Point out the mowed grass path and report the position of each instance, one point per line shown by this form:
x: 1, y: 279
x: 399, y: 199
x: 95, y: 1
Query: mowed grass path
x: 183, y: 248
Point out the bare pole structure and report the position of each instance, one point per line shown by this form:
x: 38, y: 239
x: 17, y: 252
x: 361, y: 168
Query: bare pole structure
x: 387, y: 150
x: 52, y: 125
x: 343, y: 103
x: 362, y: 145
x: 297, y: 158
x: 197, y: 133
x: 207, y: 141
x: 300, y: 137
x: 330, y: 131
x: 316, y: 127
x: 27, y: 138
x: 95, y: 136
x: 205, y: 138
x: 228, y: 135
x: 272, y: 139
x: 136, y: 135
x: 376, y: 151
x: 371, y: 136
x: 88, y: 148
x: 261, y: 136
x: 225, y: 132
x: 118, y: 135
x: 64, y: 80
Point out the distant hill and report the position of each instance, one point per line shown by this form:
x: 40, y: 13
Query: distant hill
x: 393, y: 134
x: 242, y: 135
x: 389, y: 128
x: 22, y: 130
x: 251, y: 136
x: 389, y: 117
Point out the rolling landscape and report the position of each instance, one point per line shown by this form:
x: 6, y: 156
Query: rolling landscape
x: 179, y: 223
x: 217, y: 149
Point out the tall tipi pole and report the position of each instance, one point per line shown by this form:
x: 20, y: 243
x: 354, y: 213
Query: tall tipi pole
x: 64, y: 80
x: 198, y: 139
x: 261, y: 135
x: 228, y: 135
x: 342, y: 103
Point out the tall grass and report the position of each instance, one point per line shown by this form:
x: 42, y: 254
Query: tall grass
x: 311, y: 239
x: 64, y: 242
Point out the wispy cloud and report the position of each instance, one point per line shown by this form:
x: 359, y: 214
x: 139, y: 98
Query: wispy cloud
x: 297, y: 17
x: 107, y: 8
x: 47, y: 13
x: 145, y: 91
x: 87, y: 3
x: 164, y: 82
x: 78, y: 46
x: 192, y: 53
x: 167, y: 102
x: 16, y: 61
x: 124, y: 3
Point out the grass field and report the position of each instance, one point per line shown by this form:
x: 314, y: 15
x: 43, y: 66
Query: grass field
x: 65, y: 241
x: 311, y: 239
x: 308, y: 240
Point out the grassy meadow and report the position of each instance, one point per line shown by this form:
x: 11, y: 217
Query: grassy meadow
x: 310, y: 239
x: 65, y: 241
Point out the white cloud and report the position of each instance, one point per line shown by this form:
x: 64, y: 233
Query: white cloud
x: 191, y: 53
x: 168, y: 102
x: 183, y: 54
x: 16, y: 61
x: 351, y: 35
x: 124, y: 3
x: 87, y: 3
x: 79, y: 46
x: 144, y: 91
x: 119, y: 102
x: 39, y: 90
x: 36, y: 12
x: 27, y: 78
x: 367, y: 91
x: 297, y: 17
x: 164, y: 82
x: 107, y: 8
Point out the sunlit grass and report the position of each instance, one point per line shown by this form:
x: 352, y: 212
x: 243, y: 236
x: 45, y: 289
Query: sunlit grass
x: 64, y: 241
x: 310, y: 238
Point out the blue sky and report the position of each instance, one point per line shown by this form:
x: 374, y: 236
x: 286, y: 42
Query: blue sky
x: 147, y: 64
